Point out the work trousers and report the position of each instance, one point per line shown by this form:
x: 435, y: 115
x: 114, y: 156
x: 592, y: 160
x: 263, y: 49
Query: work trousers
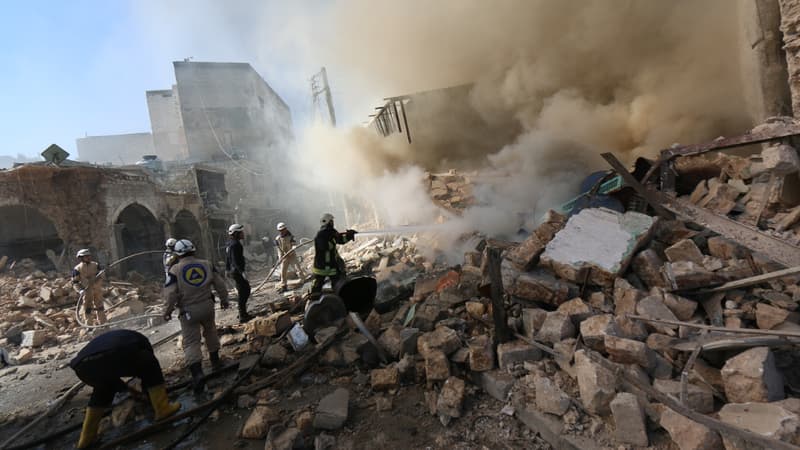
x: 103, y: 372
x: 289, y: 262
x: 319, y: 281
x: 93, y: 305
x: 198, y: 319
x: 243, y: 289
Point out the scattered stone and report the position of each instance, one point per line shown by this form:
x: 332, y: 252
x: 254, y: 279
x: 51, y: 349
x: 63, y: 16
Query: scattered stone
x: 550, y: 398
x: 683, y: 308
x: 245, y: 401
x: 398, y: 341
x: 283, y: 440
x: 684, y: 250
x: 383, y: 403
x: 629, y: 420
x: 481, y: 354
x: 538, y: 285
x: 781, y: 159
x: 476, y: 309
x: 725, y: 249
x: 437, y: 367
x: 526, y: 255
x: 274, y: 355
x: 257, y: 424
x: 496, y: 383
x: 516, y: 352
x: 699, y: 398
x: 385, y: 379
x: 769, y: 317
x: 766, y: 419
x: 451, y: 398
x: 324, y: 441
x: 332, y: 410
x: 751, y: 376
x: 596, y: 384
x: 556, y: 327
x: 647, y: 266
x: 33, y: 338
x: 576, y: 309
x: 688, y: 434
x: 24, y: 356
x: 271, y: 325
x: 442, y: 338
x: 596, y: 328
x: 532, y: 320
x: 627, y: 351
x: 653, y: 307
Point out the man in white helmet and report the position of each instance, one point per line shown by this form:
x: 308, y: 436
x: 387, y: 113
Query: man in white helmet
x: 188, y: 288
x: 86, y: 283
x: 169, y: 257
x: 285, y: 243
x: 327, y: 262
x: 235, y: 267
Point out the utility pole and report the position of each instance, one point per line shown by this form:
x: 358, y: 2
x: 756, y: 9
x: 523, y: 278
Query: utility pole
x: 319, y: 86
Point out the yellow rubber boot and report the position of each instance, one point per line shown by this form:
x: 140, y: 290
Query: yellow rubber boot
x: 161, y: 404
x: 91, y: 422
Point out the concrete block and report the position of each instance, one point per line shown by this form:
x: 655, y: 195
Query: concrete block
x: 33, y: 338
x: 629, y: 423
x: 332, y: 410
x: 751, y: 376
x: 516, y: 352
x: 781, y: 159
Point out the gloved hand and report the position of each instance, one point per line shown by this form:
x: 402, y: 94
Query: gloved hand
x: 223, y: 304
x: 351, y: 234
x: 167, y: 316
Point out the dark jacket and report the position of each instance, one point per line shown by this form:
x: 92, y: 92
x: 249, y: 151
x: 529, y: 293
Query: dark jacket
x: 326, y: 257
x: 234, y: 257
x: 115, y: 340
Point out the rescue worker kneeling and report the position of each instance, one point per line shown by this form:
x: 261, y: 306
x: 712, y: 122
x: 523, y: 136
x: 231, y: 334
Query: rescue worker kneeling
x: 101, y: 363
x: 188, y: 288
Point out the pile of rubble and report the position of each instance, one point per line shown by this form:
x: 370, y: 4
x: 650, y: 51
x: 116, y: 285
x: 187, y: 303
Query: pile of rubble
x: 452, y: 191
x: 38, y: 310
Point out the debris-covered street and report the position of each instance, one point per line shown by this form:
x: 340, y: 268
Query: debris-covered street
x: 435, y: 225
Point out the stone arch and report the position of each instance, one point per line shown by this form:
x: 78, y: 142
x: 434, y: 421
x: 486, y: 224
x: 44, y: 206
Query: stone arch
x: 186, y: 226
x: 136, y: 229
x: 25, y: 232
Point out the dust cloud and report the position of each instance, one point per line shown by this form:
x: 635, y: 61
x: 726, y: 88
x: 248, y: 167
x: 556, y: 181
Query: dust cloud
x: 573, y: 78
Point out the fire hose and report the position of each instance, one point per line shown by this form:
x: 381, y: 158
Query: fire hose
x: 303, y: 243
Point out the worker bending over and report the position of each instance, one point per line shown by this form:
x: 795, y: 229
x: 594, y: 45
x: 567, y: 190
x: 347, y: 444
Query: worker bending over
x: 101, y: 364
x: 285, y: 243
x: 327, y: 262
x: 235, y: 267
x: 188, y: 288
x: 87, y: 283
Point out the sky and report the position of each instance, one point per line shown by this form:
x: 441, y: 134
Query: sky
x: 82, y: 67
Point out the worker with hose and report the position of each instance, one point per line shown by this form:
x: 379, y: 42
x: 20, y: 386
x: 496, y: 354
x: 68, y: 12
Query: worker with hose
x: 106, y: 359
x: 285, y: 243
x: 188, y: 288
x: 87, y: 283
x: 235, y: 267
x: 327, y: 262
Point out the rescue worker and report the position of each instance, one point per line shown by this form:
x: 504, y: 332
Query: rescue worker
x: 235, y: 267
x: 327, y: 262
x: 188, y: 288
x: 87, y: 284
x: 169, y: 257
x: 101, y: 364
x: 285, y: 243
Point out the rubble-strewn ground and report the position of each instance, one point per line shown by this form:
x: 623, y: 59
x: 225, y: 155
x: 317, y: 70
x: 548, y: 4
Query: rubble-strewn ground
x: 604, y: 311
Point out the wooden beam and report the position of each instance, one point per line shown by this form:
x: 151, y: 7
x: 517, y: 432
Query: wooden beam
x: 678, y: 323
x: 731, y: 142
x: 751, y: 281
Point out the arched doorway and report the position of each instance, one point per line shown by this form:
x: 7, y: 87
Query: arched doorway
x: 27, y: 233
x: 187, y: 227
x: 137, y: 230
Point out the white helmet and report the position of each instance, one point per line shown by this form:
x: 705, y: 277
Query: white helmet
x: 281, y: 226
x: 326, y: 219
x: 84, y: 252
x: 235, y: 227
x: 171, y: 243
x: 183, y: 247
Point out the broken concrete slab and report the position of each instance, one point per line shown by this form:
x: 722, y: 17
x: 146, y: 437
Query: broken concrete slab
x: 629, y: 424
x: 516, y: 352
x: 767, y: 419
x: 688, y: 434
x: 751, y: 376
x: 332, y: 410
x: 573, y: 250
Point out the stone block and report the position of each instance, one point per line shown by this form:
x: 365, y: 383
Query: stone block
x: 398, y: 341
x: 721, y: 197
x: 532, y: 320
x: 647, y: 266
x: 699, y: 398
x: 626, y: 297
x: 516, y: 352
x: 427, y: 315
x: 33, y: 338
x: 781, y: 159
x: 688, y: 434
x: 751, y: 376
x: 538, y: 285
x: 601, y: 302
x: 549, y: 397
x: 437, y: 367
x: 257, y: 424
x: 627, y: 351
x: 684, y: 250
x: 526, y: 255
x: 653, y: 307
x: 725, y: 249
x: 286, y: 439
x: 683, y: 308
x: 45, y: 293
x: 332, y: 410
x: 475, y: 309
x: 688, y: 275
x: 596, y: 328
x: 596, y: 384
x: 385, y: 379
x: 769, y: 317
x: 442, y: 338
x: 496, y: 383
x: 451, y: 397
x: 271, y: 325
x: 481, y: 354
x: 24, y: 356
x: 274, y: 355
x: 766, y: 419
x: 576, y: 309
x: 572, y: 251
x: 556, y: 327
x: 629, y: 423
